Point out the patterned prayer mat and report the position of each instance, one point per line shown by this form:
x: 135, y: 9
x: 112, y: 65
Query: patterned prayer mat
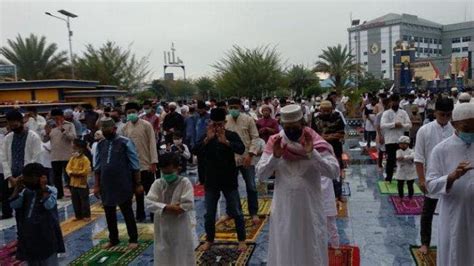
x: 225, y: 254
x: 346, y: 189
x: 145, y: 232
x: 406, y: 206
x: 198, y: 190
x: 264, y: 206
x: 391, y: 188
x: 423, y: 260
x: 7, y: 255
x: 118, y: 255
x: 99, y: 209
x: 344, y: 256
x: 225, y: 231
x: 70, y: 225
x: 342, y: 209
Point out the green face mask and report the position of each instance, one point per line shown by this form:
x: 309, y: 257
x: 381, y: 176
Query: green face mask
x: 169, y: 178
x: 132, y: 117
x: 234, y: 113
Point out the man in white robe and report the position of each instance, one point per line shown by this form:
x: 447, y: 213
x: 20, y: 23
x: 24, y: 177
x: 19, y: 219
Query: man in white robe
x: 299, y: 157
x: 451, y: 177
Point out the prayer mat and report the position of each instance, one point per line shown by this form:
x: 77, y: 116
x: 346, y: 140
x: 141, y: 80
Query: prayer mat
x: 145, y: 232
x: 423, y: 260
x: 346, y: 189
x: 406, y: 206
x: 70, y: 225
x: 264, y: 206
x: 222, y: 253
x: 342, y: 209
x: 391, y: 188
x: 198, y: 190
x: 374, y: 154
x: 117, y: 255
x: 99, y: 209
x: 225, y: 231
x: 67, y: 192
x: 7, y: 254
x: 344, y: 256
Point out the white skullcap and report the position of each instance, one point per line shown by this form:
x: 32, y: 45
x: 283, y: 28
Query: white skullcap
x: 184, y: 109
x: 412, y: 92
x: 454, y: 89
x: 291, y: 113
x: 463, y: 111
x: 404, y: 139
x: 465, y: 97
x: 172, y: 104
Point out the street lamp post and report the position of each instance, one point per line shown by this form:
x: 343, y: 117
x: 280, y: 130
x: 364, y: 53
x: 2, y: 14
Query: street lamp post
x: 69, y: 31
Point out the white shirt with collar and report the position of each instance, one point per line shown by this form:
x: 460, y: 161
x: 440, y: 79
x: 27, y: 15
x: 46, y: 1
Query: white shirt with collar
x: 389, y: 119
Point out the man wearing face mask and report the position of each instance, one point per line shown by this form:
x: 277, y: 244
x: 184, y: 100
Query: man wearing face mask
x: 394, y: 123
x: 141, y: 133
x: 246, y: 128
x: 116, y: 115
x: 173, y: 122
x: 20, y: 147
x: 450, y: 176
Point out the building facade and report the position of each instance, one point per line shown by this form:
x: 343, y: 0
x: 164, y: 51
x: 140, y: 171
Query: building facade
x: 372, y: 43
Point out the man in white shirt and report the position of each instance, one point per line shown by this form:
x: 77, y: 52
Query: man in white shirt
x: 427, y: 138
x: 395, y: 122
x: 420, y: 101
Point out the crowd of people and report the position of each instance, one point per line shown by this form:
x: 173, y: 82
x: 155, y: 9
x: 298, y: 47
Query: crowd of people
x: 140, y: 153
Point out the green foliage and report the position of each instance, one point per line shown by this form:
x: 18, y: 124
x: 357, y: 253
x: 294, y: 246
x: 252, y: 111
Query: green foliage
x: 302, y: 81
x: 249, y: 72
x: 171, y: 89
x: 370, y: 83
x: 144, y: 95
x: 206, y: 88
x: 34, y: 58
x: 113, y: 65
x: 340, y: 64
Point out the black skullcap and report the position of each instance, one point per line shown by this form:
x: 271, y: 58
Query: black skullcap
x: 14, y: 115
x: 201, y: 105
x: 132, y: 105
x: 218, y: 115
x: 234, y: 101
x: 444, y: 105
x: 394, y: 98
x: 57, y: 112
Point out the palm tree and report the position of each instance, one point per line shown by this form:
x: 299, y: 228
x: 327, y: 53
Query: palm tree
x: 340, y: 64
x: 34, y: 58
x: 301, y: 80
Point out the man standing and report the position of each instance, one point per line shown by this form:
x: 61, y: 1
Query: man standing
x: 395, y: 122
x: 266, y: 125
x: 35, y: 122
x: 450, y: 176
x: 61, y: 138
x: 173, y: 122
x: 427, y: 138
x: 20, y: 147
x: 141, y: 133
x: 245, y: 127
x: 198, y: 129
x: 69, y: 116
x: 217, y: 149
x: 149, y: 115
x: 117, y: 177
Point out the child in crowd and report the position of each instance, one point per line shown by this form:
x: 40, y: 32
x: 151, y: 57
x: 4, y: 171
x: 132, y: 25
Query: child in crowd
x: 405, y: 167
x: 98, y: 136
x: 181, y: 149
x: 171, y: 199
x: 78, y: 169
x: 39, y: 234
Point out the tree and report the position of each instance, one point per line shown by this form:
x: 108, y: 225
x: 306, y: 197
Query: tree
x: 113, y: 65
x: 34, y: 58
x: 340, y: 64
x: 206, y: 87
x: 370, y: 83
x: 302, y: 81
x: 249, y: 72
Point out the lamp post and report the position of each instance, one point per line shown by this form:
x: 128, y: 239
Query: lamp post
x: 67, y: 15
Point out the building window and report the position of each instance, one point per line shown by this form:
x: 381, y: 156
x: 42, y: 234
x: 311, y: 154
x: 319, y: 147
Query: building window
x: 456, y: 40
x: 435, y: 41
x: 466, y: 39
x: 365, y: 53
x: 456, y: 50
x: 416, y: 39
x: 365, y: 63
x: 440, y: 41
x: 464, y: 49
x: 406, y: 37
x: 383, y: 61
x: 427, y: 51
x: 384, y: 71
x: 383, y: 51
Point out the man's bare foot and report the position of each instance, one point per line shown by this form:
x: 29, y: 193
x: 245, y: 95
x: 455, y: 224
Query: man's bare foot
x: 205, y: 247
x: 223, y: 219
x: 242, y: 246
x: 423, y: 250
x: 132, y: 245
x: 107, y: 245
x: 255, y: 219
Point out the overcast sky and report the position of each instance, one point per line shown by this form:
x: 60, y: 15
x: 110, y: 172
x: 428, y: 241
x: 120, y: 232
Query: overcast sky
x: 204, y: 31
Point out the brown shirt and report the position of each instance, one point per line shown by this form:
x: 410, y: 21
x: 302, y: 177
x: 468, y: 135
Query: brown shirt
x: 61, y: 142
x: 246, y: 128
x: 142, y: 135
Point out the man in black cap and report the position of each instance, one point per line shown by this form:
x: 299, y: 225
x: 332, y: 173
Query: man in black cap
x: 173, y: 122
x: 20, y: 147
x: 217, y: 149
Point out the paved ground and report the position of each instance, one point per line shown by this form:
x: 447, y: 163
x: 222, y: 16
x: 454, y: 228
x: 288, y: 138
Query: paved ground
x: 382, y: 237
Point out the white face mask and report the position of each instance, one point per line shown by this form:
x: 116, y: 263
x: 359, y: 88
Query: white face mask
x: 177, y: 141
